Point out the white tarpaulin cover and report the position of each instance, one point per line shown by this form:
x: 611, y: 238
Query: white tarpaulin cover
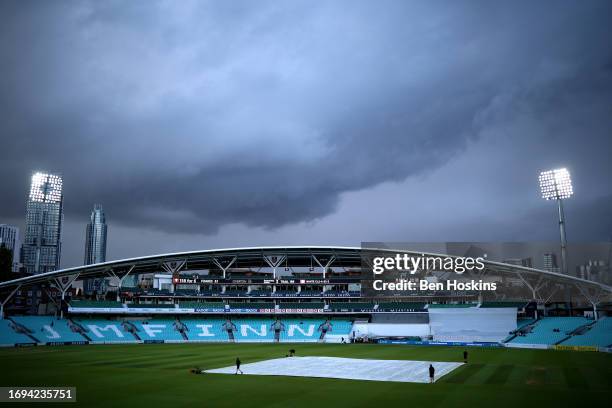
x: 347, y: 368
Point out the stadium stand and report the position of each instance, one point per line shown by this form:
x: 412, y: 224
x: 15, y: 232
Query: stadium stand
x: 100, y: 330
x: 202, y: 305
x: 305, y: 293
x: 308, y: 330
x: 517, y: 304
x: 301, y: 305
x: 550, y: 330
x: 260, y: 293
x: 290, y: 293
x: 49, y: 329
x: 157, y: 329
x: 598, y: 334
x: 340, y: 306
x: 205, y: 329
x: 401, y: 306
x: 251, y: 305
x: 151, y: 306
x: 96, y: 304
x: 8, y: 336
x: 450, y: 305
x: 522, y: 322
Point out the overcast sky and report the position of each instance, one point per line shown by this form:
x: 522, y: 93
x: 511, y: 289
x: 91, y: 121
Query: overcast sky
x: 228, y: 123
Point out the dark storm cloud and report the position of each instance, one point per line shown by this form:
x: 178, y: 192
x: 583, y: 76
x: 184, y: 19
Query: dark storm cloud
x: 187, y: 116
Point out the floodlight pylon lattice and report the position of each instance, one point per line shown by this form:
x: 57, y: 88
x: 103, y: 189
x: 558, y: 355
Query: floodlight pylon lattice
x: 557, y: 185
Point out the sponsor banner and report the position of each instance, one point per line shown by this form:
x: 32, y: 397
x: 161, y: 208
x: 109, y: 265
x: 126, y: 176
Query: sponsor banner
x: 440, y: 343
x: 574, y: 348
x: 153, y: 341
x: 65, y: 343
x: 605, y: 349
x: 299, y: 311
x: 248, y: 310
x: 527, y: 346
x: 96, y: 309
x: 140, y: 310
x: 208, y: 310
x: 25, y: 344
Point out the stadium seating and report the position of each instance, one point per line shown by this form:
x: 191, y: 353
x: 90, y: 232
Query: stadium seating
x: 450, y: 305
x: 96, y: 304
x: 105, y: 330
x: 244, y: 330
x: 157, y: 329
x: 202, y: 305
x: 545, y: 330
x: 260, y: 293
x: 8, y: 336
x: 48, y: 329
x: 301, y: 305
x: 307, y: 293
x: 235, y: 293
x: 205, y: 329
x: 289, y: 293
x: 253, y: 330
x: 522, y: 322
x: 517, y: 304
x: 340, y: 306
x: 308, y: 330
x: 401, y: 306
x: 599, y: 334
x: 251, y: 305
x: 151, y: 306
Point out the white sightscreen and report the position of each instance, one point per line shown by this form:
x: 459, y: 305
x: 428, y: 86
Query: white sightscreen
x: 472, y: 324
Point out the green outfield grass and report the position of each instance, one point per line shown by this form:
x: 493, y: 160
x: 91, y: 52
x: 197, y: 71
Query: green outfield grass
x: 145, y: 376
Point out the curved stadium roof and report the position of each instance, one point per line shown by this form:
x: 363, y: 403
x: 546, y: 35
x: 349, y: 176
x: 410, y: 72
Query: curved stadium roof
x: 255, y: 256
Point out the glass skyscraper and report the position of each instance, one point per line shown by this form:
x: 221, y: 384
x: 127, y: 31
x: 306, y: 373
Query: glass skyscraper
x: 41, y: 250
x: 95, y: 237
x: 9, y: 237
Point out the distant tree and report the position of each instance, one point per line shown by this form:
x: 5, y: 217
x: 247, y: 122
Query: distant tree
x: 6, y: 263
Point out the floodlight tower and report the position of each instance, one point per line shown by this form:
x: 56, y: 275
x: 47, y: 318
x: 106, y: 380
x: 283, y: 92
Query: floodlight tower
x: 557, y: 185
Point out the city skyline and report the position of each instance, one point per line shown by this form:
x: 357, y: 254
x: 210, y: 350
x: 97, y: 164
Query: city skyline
x: 216, y: 125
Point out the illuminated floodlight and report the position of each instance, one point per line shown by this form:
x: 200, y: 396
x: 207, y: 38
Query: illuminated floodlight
x: 46, y: 188
x: 556, y: 184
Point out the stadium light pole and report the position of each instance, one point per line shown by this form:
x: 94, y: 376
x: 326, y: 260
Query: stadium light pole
x: 557, y: 185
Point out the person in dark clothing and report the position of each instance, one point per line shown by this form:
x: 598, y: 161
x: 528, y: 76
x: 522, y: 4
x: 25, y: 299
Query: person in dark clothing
x: 432, y: 372
x: 465, y: 356
x: 238, y: 366
x: 291, y: 352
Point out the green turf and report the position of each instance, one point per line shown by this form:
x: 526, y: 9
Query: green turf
x: 146, y: 376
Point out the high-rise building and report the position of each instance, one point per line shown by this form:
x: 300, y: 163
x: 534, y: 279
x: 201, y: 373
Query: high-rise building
x: 9, y: 237
x: 526, y: 262
x: 95, y: 249
x: 595, y: 270
x: 95, y: 237
x: 41, y: 250
x: 550, y: 262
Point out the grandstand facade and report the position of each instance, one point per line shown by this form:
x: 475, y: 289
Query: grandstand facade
x: 296, y: 294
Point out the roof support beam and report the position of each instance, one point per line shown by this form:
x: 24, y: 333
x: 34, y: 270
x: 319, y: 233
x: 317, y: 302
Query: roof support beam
x: 5, y: 301
x: 594, y: 298
x: 274, y: 261
x: 112, y: 273
x: 224, y: 269
x: 329, y: 262
x: 63, y: 287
